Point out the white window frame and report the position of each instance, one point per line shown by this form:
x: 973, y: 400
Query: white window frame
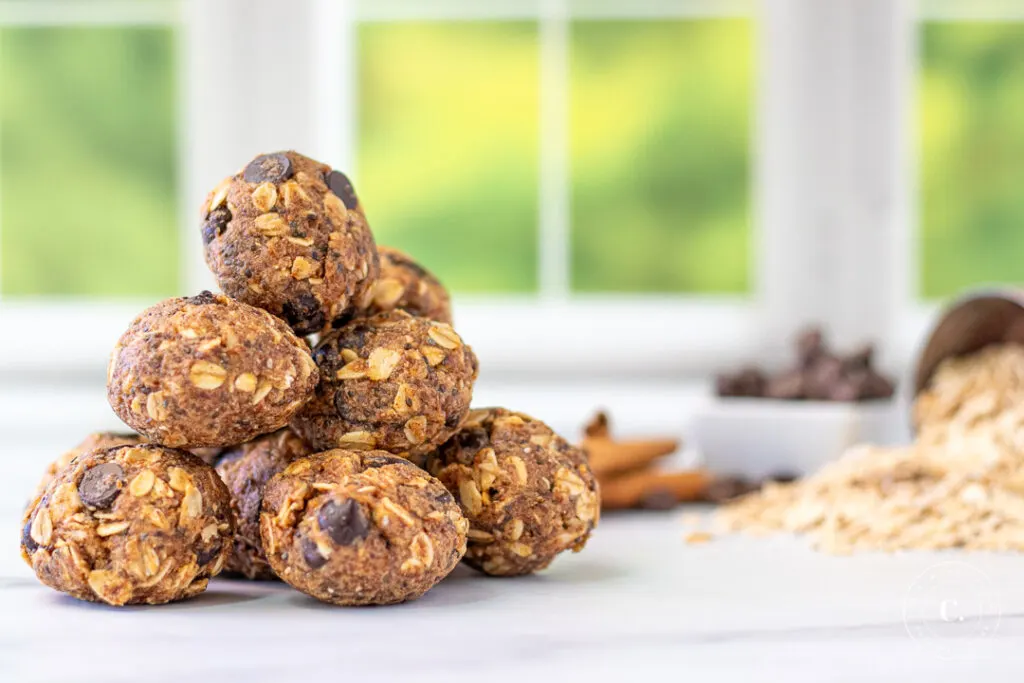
x: 833, y: 175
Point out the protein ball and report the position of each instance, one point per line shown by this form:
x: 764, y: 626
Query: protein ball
x: 129, y: 525
x: 95, y: 441
x: 245, y: 470
x: 287, y: 234
x: 360, y: 528
x: 393, y: 382
x: 207, y: 371
x: 528, y: 493
x: 406, y: 285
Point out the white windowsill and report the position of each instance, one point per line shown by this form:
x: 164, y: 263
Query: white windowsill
x: 592, y: 337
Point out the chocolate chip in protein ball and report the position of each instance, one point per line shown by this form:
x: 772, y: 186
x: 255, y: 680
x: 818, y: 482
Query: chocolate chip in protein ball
x: 26, y: 538
x: 444, y: 497
x: 304, y: 314
x: 382, y: 460
x: 101, y: 484
x: 472, y: 440
x: 268, y: 168
x: 343, y: 522
x: 204, y: 556
x: 311, y: 554
x: 203, y: 298
x: 215, y: 224
x: 341, y: 186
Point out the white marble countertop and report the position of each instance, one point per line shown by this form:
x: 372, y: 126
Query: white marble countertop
x: 637, y: 602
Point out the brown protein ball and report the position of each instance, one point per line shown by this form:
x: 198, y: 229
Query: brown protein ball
x: 393, y: 382
x: 360, y: 528
x: 130, y: 525
x: 528, y: 493
x: 245, y: 470
x: 287, y: 234
x: 208, y: 371
x: 408, y: 286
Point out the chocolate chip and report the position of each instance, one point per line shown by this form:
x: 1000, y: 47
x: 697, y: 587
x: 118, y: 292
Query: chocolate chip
x: 789, y: 386
x: 859, y: 359
x: 371, y: 461
x: 783, y: 476
x: 203, y: 298
x: 304, y: 314
x: 344, y: 522
x: 822, y: 377
x: 311, y: 554
x: 204, y: 556
x: 444, y: 497
x: 26, y: 538
x: 659, y: 499
x: 876, y: 386
x: 725, y: 386
x: 268, y: 168
x: 341, y: 321
x: 347, y: 405
x: 101, y: 485
x: 472, y: 440
x: 849, y: 388
x: 340, y: 185
x: 215, y: 224
x: 325, y: 355
x: 810, y: 346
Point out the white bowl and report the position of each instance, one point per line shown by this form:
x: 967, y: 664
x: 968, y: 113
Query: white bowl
x: 757, y: 437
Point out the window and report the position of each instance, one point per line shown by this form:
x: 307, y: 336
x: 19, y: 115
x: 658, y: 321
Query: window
x: 642, y: 186
x: 971, y: 104
x: 645, y: 138
x: 661, y: 155
x: 449, y: 144
x: 87, y: 119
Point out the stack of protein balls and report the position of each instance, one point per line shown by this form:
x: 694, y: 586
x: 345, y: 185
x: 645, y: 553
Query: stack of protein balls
x: 354, y: 469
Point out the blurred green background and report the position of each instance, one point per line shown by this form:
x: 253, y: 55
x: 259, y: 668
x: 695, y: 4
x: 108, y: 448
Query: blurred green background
x: 971, y: 123
x: 659, y: 145
x: 88, y: 173
x: 447, y: 160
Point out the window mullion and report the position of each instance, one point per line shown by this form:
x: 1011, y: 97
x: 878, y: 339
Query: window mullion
x: 240, y: 97
x: 335, y: 70
x: 554, y: 151
x: 829, y: 169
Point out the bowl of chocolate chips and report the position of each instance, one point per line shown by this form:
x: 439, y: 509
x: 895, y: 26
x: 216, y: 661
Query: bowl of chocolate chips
x: 796, y: 418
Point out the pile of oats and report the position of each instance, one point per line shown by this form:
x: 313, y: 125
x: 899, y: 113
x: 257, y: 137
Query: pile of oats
x: 959, y: 485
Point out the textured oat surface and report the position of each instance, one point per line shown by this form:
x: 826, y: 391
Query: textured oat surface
x: 95, y: 441
x: 130, y: 524
x: 287, y: 234
x: 245, y: 470
x: 406, y: 285
x: 208, y: 371
x: 528, y: 494
x: 959, y: 485
x: 393, y: 382
x: 360, y: 528
x: 99, y: 440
